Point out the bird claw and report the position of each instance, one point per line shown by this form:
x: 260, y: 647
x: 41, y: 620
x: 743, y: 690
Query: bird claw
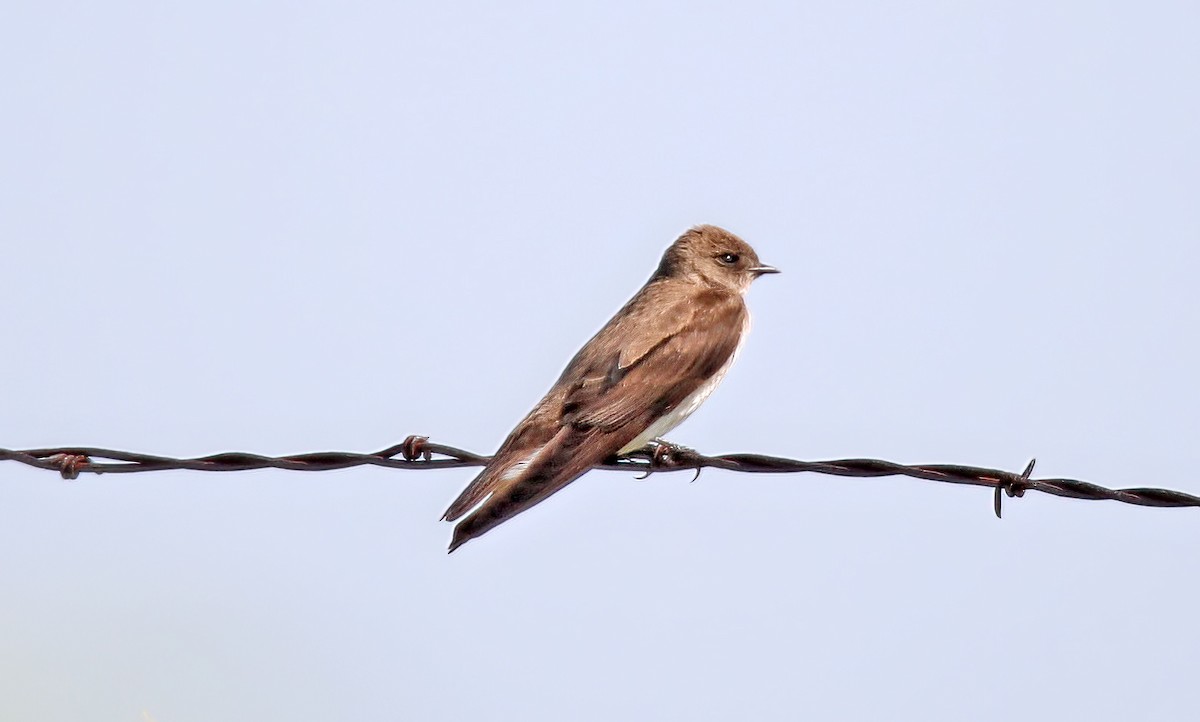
x: 415, y: 447
x: 1013, y: 486
x: 665, y: 455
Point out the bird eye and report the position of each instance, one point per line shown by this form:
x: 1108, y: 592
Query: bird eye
x: 728, y: 258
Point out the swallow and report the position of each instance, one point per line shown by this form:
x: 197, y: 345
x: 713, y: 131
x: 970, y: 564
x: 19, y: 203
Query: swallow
x: 638, y: 378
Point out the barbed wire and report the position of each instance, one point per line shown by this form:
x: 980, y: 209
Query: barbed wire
x: 417, y: 452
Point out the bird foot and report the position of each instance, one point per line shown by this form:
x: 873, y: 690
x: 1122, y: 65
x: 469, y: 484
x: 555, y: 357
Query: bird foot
x: 663, y: 454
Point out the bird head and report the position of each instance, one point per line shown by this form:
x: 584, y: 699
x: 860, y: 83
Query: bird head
x: 713, y: 256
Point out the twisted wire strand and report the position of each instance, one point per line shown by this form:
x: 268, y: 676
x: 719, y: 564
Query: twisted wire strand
x: 416, y: 452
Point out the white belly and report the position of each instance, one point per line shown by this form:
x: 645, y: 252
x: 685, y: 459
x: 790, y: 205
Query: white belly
x: 675, y: 416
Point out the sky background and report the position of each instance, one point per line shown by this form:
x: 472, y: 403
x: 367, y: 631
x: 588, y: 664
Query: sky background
x: 288, y: 227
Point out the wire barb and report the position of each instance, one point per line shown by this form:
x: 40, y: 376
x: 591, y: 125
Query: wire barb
x: 1013, y: 487
x: 414, y: 447
x: 417, y: 452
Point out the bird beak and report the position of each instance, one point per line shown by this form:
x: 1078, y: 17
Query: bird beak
x: 763, y: 270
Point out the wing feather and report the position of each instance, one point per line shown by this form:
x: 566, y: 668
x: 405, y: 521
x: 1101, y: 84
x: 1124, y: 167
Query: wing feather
x: 662, y: 378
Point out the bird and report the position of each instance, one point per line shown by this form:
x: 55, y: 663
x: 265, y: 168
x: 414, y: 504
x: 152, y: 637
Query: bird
x: 640, y: 376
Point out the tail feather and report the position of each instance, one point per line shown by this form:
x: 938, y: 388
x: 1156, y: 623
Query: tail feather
x: 496, y: 511
x: 507, y: 466
x: 475, y: 492
x: 557, y: 464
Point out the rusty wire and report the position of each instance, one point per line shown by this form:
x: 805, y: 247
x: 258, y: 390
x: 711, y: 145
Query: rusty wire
x: 416, y: 452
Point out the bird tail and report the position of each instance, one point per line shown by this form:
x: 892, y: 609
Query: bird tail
x: 475, y: 492
x: 497, y: 497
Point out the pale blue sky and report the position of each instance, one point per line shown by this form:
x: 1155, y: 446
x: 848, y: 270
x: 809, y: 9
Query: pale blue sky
x: 283, y: 227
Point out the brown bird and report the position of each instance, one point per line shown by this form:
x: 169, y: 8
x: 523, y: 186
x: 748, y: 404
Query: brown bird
x: 646, y: 371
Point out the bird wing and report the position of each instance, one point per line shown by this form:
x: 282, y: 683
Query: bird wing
x: 599, y: 405
x: 615, y: 398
